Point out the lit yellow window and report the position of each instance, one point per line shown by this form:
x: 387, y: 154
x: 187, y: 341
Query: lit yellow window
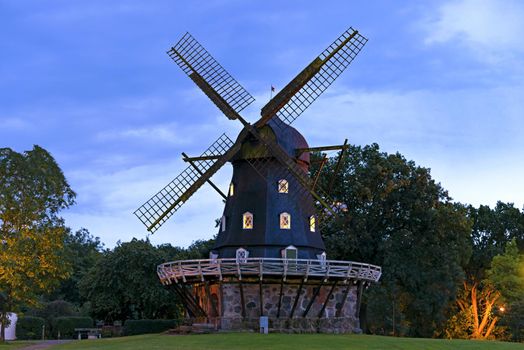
x: 312, y: 223
x: 247, y: 221
x: 283, y: 186
x: 285, y: 221
x: 231, y: 189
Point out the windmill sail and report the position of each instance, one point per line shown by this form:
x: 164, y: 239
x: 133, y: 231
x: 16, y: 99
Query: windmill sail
x: 162, y: 205
x: 200, y: 66
x: 309, y: 84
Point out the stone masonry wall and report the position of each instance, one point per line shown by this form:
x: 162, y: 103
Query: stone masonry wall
x: 230, y: 308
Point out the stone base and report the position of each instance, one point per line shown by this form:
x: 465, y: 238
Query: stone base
x: 335, y: 325
x: 311, y: 308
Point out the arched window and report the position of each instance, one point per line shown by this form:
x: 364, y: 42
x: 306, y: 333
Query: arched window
x: 213, y: 257
x: 247, y: 221
x: 231, y: 189
x: 283, y: 186
x: 290, y: 252
x: 285, y: 221
x: 312, y: 223
x: 322, y: 258
x: 223, y: 223
x: 242, y: 255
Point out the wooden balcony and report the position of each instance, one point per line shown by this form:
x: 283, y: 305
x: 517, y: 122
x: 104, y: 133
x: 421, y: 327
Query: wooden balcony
x: 193, y: 271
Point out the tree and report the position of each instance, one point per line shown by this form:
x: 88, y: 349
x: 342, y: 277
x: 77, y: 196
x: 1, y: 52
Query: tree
x: 123, y: 284
x: 82, y: 251
x: 33, y: 190
x: 476, y: 317
x: 400, y: 218
x: 492, y: 230
x: 507, y: 276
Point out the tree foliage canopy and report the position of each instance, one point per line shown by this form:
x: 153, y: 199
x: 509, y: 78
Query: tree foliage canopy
x: 123, y: 284
x: 33, y: 190
x: 399, y: 218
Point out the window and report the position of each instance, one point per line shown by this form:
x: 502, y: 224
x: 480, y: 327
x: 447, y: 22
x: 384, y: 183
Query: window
x: 312, y: 223
x: 247, y: 221
x: 213, y: 257
x: 290, y: 253
x: 285, y: 221
x: 231, y: 189
x: 283, y: 186
x: 223, y: 223
x: 242, y: 256
x: 322, y: 259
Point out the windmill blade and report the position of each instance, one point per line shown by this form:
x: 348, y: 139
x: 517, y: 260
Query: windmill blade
x: 168, y: 200
x: 305, y: 88
x: 202, y: 68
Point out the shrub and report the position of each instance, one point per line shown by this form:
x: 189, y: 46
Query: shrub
x: 29, y: 328
x: 134, y: 327
x: 66, y: 326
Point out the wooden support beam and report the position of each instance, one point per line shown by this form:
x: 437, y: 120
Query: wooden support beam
x: 315, y: 294
x: 299, y: 151
x: 197, y: 159
x: 280, y: 297
x: 221, y: 298
x: 337, y: 167
x: 317, y: 176
x: 344, y: 298
x: 190, y: 300
x: 299, y: 290
x: 185, y: 302
x: 208, y: 180
x: 359, y: 298
x: 261, y: 297
x: 327, y: 299
x: 242, y: 301
x: 195, y: 302
x: 210, y: 298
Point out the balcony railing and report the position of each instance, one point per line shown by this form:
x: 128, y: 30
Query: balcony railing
x: 211, y: 269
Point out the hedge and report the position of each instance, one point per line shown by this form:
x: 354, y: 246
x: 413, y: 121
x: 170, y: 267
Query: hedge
x: 29, y: 328
x: 66, y: 326
x: 134, y: 327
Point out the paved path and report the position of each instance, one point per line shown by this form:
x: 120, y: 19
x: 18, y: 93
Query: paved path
x: 44, y: 344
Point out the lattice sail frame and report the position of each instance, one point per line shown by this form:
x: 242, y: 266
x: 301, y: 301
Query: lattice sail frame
x: 333, y: 64
x: 231, y: 98
x: 169, y: 199
x: 192, y: 58
x: 330, y: 64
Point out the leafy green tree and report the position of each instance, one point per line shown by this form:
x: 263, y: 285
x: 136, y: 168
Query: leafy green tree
x: 492, y: 230
x: 82, y: 251
x: 507, y: 276
x: 123, y: 284
x: 398, y: 217
x: 33, y: 191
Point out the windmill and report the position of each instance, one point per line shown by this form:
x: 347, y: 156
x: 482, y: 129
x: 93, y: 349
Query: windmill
x: 274, y: 209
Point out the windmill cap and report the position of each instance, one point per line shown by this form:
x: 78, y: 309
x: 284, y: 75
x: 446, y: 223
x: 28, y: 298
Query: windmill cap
x: 287, y: 137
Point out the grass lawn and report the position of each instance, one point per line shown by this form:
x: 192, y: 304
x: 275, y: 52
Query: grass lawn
x: 232, y: 341
x: 11, y: 345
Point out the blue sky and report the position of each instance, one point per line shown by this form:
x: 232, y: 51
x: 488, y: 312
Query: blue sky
x: 439, y: 81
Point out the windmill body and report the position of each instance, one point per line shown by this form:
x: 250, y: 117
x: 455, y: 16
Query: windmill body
x: 267, y: 198
x: 269, y: 259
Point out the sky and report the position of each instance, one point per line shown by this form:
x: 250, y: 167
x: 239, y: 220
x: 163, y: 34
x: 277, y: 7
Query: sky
x: 441, y: 82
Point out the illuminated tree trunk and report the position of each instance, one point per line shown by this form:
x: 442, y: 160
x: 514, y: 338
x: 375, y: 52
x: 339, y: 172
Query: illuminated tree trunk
x: 481, y: 309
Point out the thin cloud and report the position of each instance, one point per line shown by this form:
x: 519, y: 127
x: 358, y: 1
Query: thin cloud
x: 17, y: 124
x: 492, y: 29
